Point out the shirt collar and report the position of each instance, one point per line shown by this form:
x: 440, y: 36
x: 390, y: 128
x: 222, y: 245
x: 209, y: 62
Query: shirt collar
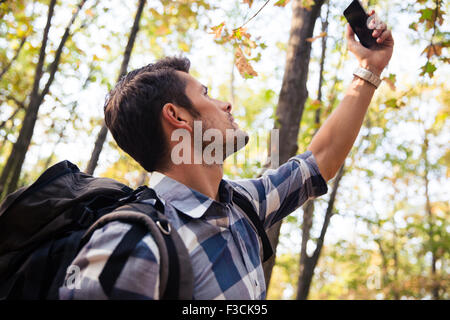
x: 185, y: 199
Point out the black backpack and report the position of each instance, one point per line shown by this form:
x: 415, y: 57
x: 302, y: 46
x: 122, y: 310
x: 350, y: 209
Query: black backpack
x: 45, y: 225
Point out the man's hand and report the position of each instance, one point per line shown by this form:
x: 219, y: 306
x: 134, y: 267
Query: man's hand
x: 375, y: 59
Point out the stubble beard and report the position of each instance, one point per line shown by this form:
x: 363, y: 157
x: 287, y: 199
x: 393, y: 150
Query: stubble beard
x: 234, y: 139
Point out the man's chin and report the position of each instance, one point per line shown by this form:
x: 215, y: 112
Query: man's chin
x: 236, y: 142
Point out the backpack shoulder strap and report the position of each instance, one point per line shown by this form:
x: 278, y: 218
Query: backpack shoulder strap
x: 249, y: 210
x: 176, y: 276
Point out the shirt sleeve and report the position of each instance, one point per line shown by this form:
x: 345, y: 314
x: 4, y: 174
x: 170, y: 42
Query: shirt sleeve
x: 280, y: 191
x: 139, y: 279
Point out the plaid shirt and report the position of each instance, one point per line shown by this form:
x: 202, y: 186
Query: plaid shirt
x: 223, y: 246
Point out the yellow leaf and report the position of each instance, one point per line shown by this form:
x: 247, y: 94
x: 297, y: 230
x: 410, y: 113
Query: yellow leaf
x: 281, y: 3
x: 315, y: 104
x: 390, y: 83
x: 391, y: 80
x: 323, y: 34
x: 248, y: 51
x: 217, y: 30
x: 307, y: 4
x: 249, y: 2
x: 244, y: 67
x: 89, y: 12
x: 183, y: 46
x: 433, y: 49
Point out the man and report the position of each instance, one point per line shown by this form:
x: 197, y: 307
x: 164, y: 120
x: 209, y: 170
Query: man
x: 145, y: 110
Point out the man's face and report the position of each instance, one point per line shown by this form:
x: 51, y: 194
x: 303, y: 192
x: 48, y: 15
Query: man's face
x: 214, y: 114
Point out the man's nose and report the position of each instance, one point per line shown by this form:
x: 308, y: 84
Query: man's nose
x: 227, y: 106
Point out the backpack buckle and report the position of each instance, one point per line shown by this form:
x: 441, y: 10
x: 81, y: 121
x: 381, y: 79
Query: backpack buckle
x: 166, y: 232
x: 131, y: 197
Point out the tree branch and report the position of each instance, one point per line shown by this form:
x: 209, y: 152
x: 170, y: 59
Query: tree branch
x: 20, y: 106
x: 40, y: 64
x: 54, y: 66
x: 16, y: 55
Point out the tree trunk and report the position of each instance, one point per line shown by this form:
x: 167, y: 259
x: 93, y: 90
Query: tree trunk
x: 308, y: 208
x: 435, y: 283
x: 101, y: 138
x: 73, y: 107
x: 293, y: 96
x: 309, y: 263
x: 11, y: 171
x: 322, y: 65
x: 18, y: 147
x: 395, y: 287
x: 384, y: 264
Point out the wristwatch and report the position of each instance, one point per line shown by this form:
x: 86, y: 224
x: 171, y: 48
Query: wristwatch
x: 368, y: 76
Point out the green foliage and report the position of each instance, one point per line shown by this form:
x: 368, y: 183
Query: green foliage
x: 430, y: 22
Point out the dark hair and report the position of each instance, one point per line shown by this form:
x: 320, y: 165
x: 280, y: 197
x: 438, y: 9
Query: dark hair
x: 133, y: 109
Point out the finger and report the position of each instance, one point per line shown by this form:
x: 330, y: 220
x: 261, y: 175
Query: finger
x: 350, y: 35
x: 381, y: 26
x: 379, y: 30
x: 385, y: 35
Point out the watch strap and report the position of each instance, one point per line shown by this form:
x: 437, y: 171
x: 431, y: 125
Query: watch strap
x: 368, y: 76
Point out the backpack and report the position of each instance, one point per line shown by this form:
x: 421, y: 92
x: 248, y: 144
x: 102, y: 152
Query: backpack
x: 45, y: 225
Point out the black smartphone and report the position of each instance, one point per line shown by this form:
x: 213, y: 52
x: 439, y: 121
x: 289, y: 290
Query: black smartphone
x: 357, y: 18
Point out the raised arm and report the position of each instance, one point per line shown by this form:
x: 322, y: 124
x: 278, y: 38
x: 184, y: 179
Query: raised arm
x: 332, y: 143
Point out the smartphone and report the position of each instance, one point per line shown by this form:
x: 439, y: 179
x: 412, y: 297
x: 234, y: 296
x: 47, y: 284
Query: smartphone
x: 357, y: 18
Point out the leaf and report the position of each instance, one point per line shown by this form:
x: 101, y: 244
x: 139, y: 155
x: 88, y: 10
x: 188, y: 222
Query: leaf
x: 184, y: 46
x: 428, y: 68
x: 244, y: 67
x: 89, y: 12
x: 307, y: 4
x: 394, y: 103
x: 249, y: 2
x: 323, y: 34
x: 237, y: 34
x: 426, y: 14
x: 281, y: 3
x: 413, y: 26
x: 315, y: 104
x: 430, y: 16
x: 391, y: 81
x: 217, y: 30
x: 433, y: 49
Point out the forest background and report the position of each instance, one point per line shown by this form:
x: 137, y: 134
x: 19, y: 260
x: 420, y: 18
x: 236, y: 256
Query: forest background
x: 381, y: 232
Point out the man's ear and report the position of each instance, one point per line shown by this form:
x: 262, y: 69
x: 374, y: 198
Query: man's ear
x: 177, y: 117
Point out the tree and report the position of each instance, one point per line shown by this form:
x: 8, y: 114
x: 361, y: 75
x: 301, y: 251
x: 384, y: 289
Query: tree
x: 11, y: 171
x: 293, y: 94
x: 101, y: 138
x: 164, y: 25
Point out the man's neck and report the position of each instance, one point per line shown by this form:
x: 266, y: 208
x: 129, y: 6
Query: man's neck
x: 202, y: 178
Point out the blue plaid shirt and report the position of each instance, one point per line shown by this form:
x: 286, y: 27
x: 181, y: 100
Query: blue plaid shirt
x: 223, y: 245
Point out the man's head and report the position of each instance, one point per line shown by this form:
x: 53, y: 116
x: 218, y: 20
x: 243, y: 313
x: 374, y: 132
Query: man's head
x: 149, y: 103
